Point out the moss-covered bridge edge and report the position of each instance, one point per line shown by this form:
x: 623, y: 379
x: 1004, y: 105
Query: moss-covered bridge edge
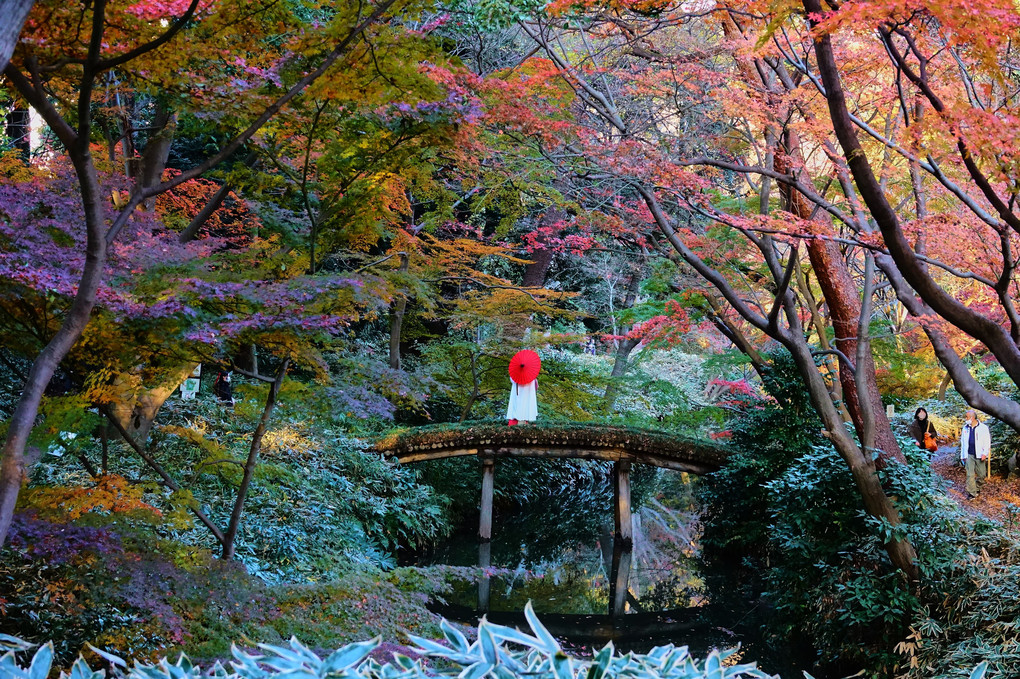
x: 582, y: 440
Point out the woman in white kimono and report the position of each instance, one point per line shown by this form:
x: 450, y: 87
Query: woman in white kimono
x: 523, y: 406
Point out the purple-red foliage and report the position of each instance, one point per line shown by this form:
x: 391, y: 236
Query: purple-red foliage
x: 361, y: 402
x: 233, y: 224
x: 150, y: 276
x: 164, y: 593
x: 59, y: 543
x: 42, y: 236
x: 137, y: 579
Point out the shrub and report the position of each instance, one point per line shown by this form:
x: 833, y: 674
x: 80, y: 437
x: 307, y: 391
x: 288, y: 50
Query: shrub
x: 319, y: 505
x: 767, y: 437
x: 534, y: 657
x: 786, y: 507
x: 118, y: 585
x: 123, y: 588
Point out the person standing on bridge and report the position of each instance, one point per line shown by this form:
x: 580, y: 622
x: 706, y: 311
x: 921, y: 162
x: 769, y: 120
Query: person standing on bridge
x: 524, y: 369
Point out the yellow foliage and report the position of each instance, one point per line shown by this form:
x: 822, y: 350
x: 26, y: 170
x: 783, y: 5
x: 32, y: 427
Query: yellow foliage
x: 218, y: 459
x: 13, y: 168
x: 111, y: 494
x: 287, y: 442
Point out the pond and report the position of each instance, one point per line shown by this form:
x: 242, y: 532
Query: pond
x: 558, y: 550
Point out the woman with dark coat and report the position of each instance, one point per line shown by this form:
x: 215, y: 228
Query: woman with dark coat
x: 920, y: 425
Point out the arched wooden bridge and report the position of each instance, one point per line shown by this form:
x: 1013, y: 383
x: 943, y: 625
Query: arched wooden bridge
x: 623, y: 446
x: 584, y: 441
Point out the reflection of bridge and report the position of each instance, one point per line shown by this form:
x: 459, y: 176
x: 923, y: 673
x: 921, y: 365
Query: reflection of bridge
x: 621, y: 445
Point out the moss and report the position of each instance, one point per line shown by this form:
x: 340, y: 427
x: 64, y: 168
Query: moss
x: 497, y: 434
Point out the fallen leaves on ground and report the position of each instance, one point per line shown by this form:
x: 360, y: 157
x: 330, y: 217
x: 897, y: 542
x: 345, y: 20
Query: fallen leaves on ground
x: 999, y: 497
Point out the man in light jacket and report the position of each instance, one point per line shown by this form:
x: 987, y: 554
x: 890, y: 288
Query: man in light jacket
x: 975, y: 447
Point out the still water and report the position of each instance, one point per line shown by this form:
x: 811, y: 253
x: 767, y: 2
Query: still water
x: 559, y: 551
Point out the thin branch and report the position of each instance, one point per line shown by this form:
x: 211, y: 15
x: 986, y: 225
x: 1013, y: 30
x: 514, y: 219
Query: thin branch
x: 784, y: 285
x: 380, y: 261
x: 174, y: 29
x: 835, y: 352
x: 494, y: 286
x: 144, y: 193
x: 158, y: 468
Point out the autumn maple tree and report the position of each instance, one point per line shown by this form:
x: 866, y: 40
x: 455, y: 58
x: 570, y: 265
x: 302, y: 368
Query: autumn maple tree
x: 148, y: 42
x: 625, y: 133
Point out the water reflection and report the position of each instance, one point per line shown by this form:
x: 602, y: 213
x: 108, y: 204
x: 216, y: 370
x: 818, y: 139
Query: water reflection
x: 562, y: 553
x: 587, y: 585
x: 619, y: 578
x: 484, y: 581
x: 619, y: 569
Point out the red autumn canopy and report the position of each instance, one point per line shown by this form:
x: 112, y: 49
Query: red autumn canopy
x: 525, y: 366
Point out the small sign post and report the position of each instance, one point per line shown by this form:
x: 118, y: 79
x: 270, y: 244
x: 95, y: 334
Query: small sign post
x: 190, y: 387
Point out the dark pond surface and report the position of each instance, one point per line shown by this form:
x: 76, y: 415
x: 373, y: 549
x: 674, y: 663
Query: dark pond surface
x: 588, y: 588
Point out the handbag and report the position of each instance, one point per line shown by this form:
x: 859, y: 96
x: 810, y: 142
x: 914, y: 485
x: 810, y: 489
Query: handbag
x: 929, y: 442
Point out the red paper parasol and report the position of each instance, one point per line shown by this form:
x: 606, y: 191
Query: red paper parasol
x: 525, y: 366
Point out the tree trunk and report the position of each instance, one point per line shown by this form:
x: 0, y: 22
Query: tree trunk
x: 15, y: 465
x: 840, y: 292
x: 190, y: 232
x: 104, y: 439
x: 542, y: 258
x: 944, y: 385
x: 157, y: 150
x: 970, y: 389
x: 397, y: 319
x: 625, y: 346
x: 876, y: 502
x: 475, y: 391
x: 136, y: 406
x: 831, y: 363
x: 249, y: 465
x: 619, y: 369
x: 12, y: 17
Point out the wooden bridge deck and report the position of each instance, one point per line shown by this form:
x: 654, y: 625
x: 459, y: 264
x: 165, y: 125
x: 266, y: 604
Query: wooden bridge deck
x: 579, y: 440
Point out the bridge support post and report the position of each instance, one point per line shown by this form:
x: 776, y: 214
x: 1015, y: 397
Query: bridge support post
x: 485, y: 518
x: 621, y: 502
x: 619, y: 582
x: 484, y: 582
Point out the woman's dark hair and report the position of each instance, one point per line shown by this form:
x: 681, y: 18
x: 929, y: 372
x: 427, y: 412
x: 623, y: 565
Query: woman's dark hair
x: 918, y: 411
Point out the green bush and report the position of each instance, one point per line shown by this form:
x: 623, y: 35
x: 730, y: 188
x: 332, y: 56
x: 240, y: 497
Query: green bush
x: 768, y: 438
x: 536, y: 656
x: 320, y: 503
x: 119, y: 586
x: 786, y: 507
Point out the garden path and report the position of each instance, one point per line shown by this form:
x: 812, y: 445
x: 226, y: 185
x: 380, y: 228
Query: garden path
x: 999, y: 498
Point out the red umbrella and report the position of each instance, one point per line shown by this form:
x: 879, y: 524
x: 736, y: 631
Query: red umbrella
x: 525, y: 366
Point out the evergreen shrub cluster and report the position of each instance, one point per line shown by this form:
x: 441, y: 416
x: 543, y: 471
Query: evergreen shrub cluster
x: 787, y: 510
